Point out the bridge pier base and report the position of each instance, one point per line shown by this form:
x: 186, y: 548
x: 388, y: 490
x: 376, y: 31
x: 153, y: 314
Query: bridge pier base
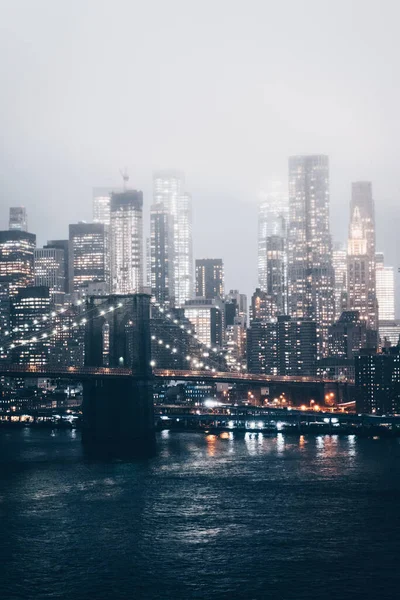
x: 118, y: 413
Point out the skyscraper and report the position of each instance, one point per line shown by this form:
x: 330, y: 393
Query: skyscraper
x: 18, y: 218
x: 62, y: 245
x: 310, y: 271
x: 30, y: 309
x: 101, y: 205
x: 16, y: 259
x: 384, y: 289
x: 88, y: 255
x: 273, y: 211
x: 126, y: 242
x: 339, y: 262
x: 210, y: 278
x: 50, y: 272
x: 169, y: 192
x: 162, y: 254
x: 361, y: 276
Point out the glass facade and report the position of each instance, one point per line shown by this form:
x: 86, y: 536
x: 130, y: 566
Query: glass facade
x: 88, y: 255
x: 16, y: 259
x: 50, y: 272
x: 18, y: 218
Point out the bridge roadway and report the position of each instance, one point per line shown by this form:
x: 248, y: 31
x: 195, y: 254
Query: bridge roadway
x: 87, y: 373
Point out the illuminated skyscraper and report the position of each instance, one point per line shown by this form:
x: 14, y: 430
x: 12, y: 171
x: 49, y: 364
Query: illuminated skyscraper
x: 361, y: 276
x: 169, y: 191
x: 206, y: 316
x: 162, y: 254
x: 126, y: 242
x: 16, y: 259
x: 30, y: 309
x: 310, y: 271
x: 62, y: 245
x: 339, y: 262
x: 210, y: 278
x: 88, y: 249
x: 101, y: 205
x: 18, y: 218
x: 273, y: 212
x: 384, y: 289
x: 50, y: 272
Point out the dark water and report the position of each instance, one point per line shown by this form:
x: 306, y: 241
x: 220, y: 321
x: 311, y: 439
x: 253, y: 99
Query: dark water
x: 254, y: 517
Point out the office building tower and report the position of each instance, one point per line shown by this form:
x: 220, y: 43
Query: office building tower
x: 210, y: 278
x: 207, y: 318
x: 283, y: 347
x: 349, y: 335
x: 310, y: 271
x: 62, y: 245
x: 384, y: 289
x: 263, y: 307
x: 339, y: 262
x: 30, y: 310
x: 169, y: 191
x: 18, y: 218
x: 377, y: 381
x: 101, y: 205
x: 16, y: 259
x: 4, y: 318
x: 126, y: 242
x: 240, y: 302
x: 88, y: 255
x: 361, y: 271
x: 276, y: 271
x: 162, y: 254
x: 50, y: 272
x: 273, y: 211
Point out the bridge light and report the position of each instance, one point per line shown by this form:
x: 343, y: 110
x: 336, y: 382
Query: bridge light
x: 102, y: 313
x: 153, y: 337
x: 167, y: 346
x: 74, y: 324
x: 79, y: 302
x: 111, y: 308
x: 83, y: 321
x: 188, y: 357
x: 6, y: 333
x: 152, y: 363
x: 44, y: 336
x: 44, y: 318
x: 119, y: 304
x: 34, y: 339
x: 62, y: 310
x: 160, y: 341
x: 161, y: 309
x: 174, y: 350
x: 12, y: 346
x: 54, y: 331
x: 53, y: 314
x: 175, y: 321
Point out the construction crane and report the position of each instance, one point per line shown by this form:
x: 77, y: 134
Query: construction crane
x: 125, y: 177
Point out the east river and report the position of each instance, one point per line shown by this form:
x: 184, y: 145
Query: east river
x: 229, y: 516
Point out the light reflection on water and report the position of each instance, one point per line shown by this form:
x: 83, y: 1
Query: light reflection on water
x: 219, y: 516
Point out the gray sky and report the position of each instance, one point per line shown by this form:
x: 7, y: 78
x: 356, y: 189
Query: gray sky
x: 224, y: 90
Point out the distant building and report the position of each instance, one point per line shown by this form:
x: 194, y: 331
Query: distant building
x: 18, y: 219
x: 361, y: 272
x: 169, y: 192
x: 50, y: 272
x: 30, y: 309
x: 377, y: 380
x: 101, y: 205
x: 349, y: 334
x: 263, y: 306
x: 310, y: 270
x: 5, y: 324
x: 273, y: 212
x: 389, y: 332
x: 210, y: 278
x: 16, y: 259
x: 162, y: 254
x: 283, y: 347
x: 384, y: 289
x: 206, y: 316
x: 339, y: 262
x: 64, y: 246
x: 126, y: 242
x: 88, y: 255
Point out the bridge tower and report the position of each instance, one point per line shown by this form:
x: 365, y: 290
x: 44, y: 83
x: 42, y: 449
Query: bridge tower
x: 116, y: 410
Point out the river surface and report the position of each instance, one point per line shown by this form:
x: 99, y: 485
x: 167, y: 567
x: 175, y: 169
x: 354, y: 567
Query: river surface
x: 253, y: 517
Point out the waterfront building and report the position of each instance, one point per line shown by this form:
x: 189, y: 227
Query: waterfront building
x: 126, y: 242
x: 88, y: 255
x: 17, y: 259
x: 310, y: 270
x: 210, y: 278
x: 50, y: 272
x: 18, y: 220
x: 30, y: 310
x: 361, y: 271
x: 377, y: 381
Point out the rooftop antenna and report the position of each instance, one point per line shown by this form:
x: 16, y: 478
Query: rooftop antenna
x: 125, y: 177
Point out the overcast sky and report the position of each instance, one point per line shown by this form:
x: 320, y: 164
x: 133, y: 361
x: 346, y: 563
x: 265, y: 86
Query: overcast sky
x: 223, y: 90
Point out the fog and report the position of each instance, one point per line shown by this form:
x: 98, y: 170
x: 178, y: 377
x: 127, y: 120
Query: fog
x: 223, y: 90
